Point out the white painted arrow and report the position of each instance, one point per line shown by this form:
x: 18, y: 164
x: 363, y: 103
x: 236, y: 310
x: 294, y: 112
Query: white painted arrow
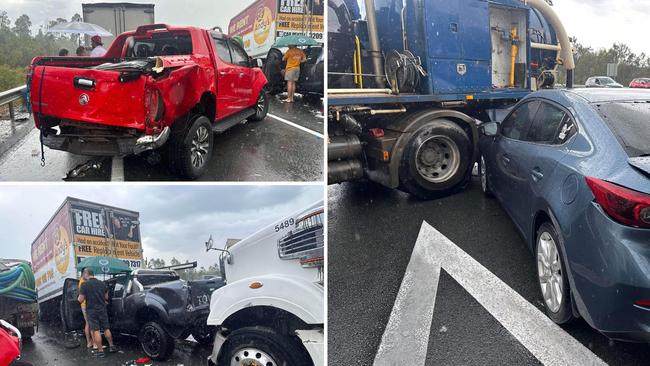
x: 407, y: 333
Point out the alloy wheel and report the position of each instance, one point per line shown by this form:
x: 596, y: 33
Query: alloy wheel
x: 200, y: 145
x: 549, y: 271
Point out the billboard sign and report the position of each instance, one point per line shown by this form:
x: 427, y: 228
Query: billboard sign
x: 304, y: 17
x: 255, y: 26
x: 101, y: 231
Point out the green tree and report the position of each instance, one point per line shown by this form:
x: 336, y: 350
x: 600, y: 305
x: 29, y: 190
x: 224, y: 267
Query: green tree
x: 22, y: 26
x: 5, y: 22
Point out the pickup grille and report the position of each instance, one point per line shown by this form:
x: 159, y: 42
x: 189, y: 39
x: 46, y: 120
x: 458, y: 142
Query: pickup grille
x: 306, y: 240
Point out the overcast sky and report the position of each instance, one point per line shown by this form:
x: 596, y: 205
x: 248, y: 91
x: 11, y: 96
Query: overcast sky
x: 201, y: 13
x: 175, y: 220
x: 597, y: 23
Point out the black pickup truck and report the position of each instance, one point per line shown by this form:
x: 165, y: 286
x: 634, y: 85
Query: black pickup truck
x: 154, y: 305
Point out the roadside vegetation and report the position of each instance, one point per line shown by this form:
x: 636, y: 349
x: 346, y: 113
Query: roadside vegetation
x: 186, y: 274
x: 590, y: 62
x: 19, y: 44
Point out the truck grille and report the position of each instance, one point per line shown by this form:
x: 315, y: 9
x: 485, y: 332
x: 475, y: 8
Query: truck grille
x: 306, y: 240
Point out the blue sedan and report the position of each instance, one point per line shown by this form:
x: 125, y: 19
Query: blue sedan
x: 572, y: 170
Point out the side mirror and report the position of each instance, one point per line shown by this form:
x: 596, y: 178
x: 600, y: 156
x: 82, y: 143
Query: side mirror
x: 489, y: 128
x: 209, y: 244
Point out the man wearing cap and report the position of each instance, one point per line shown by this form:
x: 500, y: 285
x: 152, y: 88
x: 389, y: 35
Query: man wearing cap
x: 294, y: 57
x: 98, y: 49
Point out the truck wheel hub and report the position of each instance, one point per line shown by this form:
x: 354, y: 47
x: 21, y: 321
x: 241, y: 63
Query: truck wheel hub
x: 437, y: 159
x: 252, y: 357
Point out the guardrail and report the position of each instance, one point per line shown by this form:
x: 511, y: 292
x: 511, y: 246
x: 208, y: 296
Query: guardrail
x: 10, y: 96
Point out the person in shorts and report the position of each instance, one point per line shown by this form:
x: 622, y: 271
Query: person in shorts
x: 89, y: 338
x: 294, y: 57
x: 94, y: 292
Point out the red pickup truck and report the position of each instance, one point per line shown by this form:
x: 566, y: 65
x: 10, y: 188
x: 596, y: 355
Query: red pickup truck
x: 158, y: 86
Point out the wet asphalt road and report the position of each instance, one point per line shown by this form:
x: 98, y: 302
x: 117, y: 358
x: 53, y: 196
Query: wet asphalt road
x: 269, y: 150
x: 50, y: 347
x: 372, y: 232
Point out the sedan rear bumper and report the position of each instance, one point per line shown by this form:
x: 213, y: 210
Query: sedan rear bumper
x: 610, y: 266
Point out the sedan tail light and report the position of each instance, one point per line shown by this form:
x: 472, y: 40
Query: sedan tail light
x: 626, y: 206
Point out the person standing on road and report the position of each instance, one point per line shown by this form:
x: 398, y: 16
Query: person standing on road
x: 94, y: 292
x: 89, y: 339
x: 294, y: 57
x: 98, y: 47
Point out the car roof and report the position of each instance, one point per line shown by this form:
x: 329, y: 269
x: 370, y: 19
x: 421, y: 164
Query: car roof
x: 610, y: 95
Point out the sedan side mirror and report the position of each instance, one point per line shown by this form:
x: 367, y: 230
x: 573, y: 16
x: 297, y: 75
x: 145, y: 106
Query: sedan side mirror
x: 489, y: 128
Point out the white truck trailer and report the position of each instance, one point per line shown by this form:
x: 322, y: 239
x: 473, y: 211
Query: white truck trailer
x: 81, y: 229
x: 118, y: 18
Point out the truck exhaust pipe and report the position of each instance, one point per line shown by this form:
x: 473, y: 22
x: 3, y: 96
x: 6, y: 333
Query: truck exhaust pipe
x: 566, y: 52
x: 375, y: 50
x: 343, y: 147
x: 344, y: 171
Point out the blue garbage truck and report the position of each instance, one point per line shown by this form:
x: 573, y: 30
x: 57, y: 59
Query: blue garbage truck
x: 409, y: 81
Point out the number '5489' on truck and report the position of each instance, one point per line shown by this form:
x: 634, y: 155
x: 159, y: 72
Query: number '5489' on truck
x: 158, y: 86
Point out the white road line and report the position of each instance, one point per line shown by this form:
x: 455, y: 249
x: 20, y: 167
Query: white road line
x: 407, y: 332
x: 319, y: 135
x: 117, y: 169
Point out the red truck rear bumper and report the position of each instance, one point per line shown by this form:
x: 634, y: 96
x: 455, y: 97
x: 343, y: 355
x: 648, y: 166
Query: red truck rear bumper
x: 106, y: 146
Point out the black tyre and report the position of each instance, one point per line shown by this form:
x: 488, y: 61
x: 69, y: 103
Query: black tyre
x: 155, y: 341
x: 486, y: 187
x: 27, y: 333
x: 190, y: 151
x: 261, y: 107
x: 551, y: 274
x: 436, y: 160
x: 204, y: 334
x: 259, y: 345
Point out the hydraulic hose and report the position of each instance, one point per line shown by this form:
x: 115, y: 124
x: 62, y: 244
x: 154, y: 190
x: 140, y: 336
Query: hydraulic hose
x: 18, y: 283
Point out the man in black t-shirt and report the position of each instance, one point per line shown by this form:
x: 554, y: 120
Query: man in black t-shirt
x: 94, y: 292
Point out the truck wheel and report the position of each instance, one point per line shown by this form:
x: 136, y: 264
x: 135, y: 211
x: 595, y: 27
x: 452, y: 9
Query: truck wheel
x: 436, y: 160
x: 155, y: 341
x: 261, y: 107
x: 262, y: 346
x: 190, y: 152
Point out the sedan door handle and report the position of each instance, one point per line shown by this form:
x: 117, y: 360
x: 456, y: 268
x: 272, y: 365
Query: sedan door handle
x: 223, y: 73
x: 537, y: 174
x: 505, y: 159
x: 241, y: 75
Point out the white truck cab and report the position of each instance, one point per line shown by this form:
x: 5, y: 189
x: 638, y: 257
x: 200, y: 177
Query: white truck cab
x: 271, y: 311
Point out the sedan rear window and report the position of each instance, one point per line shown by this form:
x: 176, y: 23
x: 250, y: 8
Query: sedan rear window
x: 630, y: 123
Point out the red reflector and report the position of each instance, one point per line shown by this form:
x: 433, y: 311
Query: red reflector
x: 643, y: 303
x: 377, y: 132
x: 624, y: 205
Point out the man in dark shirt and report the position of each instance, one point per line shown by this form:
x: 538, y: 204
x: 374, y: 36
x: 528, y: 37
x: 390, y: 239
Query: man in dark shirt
x: 94, y: 292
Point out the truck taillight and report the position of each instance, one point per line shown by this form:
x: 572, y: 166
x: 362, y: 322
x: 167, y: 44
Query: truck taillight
x: 626, y: 206
x: 153, y: 107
